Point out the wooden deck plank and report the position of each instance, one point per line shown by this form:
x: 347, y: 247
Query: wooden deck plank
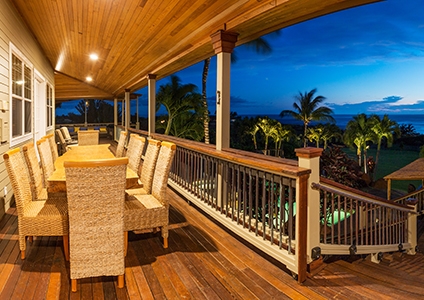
x: 157, y: 274
x: 131, y: 284
x: 142, y: 285
x: 235, y: 249
x: 45, y: 268
x: 203, y: 261
x: 228, y: 273
x: 381, y: 282
x: 97, y: 287
x: 200, y: 254
x: 33, y: 264
x: 145, y: 262
x: 184, y: 254
x: 53, y: 290
x: 186, y: 270
x: 162, y: 258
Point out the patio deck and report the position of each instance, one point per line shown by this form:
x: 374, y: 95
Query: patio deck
x: 203, y: 261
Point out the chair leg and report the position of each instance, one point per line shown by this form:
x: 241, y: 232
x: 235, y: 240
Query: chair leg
x: 121, y: 281
x: 74, y: 285
x: 66, y: 246
x: 22, y: 254
x: 125, y: 243
x: 164, y: 230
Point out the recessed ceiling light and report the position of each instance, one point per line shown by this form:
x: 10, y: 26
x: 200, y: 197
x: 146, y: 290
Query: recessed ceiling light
x: 94, y: 56
x: 88, y: 78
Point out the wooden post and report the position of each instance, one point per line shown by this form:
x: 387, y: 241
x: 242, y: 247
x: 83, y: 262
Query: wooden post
x: 115, y: 117
x: 127, y: 109
x: 151, y: 79
x: 308, y: 222
x: 223, y: 44
x: 412, y: 232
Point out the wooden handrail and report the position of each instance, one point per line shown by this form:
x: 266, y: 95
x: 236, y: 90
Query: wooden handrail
x: 345, y: 191
x: 270, y: 164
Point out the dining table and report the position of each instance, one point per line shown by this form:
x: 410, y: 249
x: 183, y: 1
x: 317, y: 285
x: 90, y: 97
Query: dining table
x: 56, y: 183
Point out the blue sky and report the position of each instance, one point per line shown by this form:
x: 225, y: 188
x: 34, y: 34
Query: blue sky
x: 367, y: 59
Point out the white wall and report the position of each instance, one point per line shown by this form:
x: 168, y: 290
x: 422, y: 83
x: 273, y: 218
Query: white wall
x: 13, y: 30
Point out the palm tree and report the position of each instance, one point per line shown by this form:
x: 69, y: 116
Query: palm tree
x: 178, y: 99
x: 359, y: 132
x: 188, y: 125
x: 268, y: 127
x: 308, y: 109
x: 384, y: 128
x: 253, y: 132
x: 329, y: 131
x: 282, y: 133
x: 315, y: 134
x: 260, y: 45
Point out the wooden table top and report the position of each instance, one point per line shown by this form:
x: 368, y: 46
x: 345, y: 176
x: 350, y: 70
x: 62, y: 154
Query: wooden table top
x: 56, y: 183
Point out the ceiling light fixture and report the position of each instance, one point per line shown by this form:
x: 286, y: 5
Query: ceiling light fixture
x: 94, y: 56
x: 88, y: 78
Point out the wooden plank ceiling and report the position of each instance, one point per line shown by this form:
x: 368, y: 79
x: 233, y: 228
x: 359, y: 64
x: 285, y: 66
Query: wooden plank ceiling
x: 134, y: 38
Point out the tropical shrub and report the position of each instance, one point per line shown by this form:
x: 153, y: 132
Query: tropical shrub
x: 339, y: 167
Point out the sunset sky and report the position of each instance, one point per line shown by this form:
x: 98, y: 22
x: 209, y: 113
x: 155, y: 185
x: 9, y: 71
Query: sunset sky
x: 366, y: 59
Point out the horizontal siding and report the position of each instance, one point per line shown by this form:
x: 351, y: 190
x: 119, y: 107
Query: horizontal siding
x: 14, y: 30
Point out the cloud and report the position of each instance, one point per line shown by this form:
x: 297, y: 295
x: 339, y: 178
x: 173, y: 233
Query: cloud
x: 387, y: 105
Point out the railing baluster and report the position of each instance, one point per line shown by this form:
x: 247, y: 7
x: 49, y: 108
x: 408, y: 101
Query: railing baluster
x: 263, y: 205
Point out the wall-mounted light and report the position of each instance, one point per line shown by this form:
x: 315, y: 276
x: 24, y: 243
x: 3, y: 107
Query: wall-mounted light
x: 4, y: 105
x: 218, y: 97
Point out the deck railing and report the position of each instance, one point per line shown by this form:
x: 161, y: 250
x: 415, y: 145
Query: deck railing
x: 416, y: 197
x: 285, y: 208
x: 256, y: 196
x: 357, y: 223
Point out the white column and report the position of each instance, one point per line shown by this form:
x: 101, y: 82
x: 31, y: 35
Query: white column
x: 127, y: 109
x: 115, y: 117
x: 137, y: 121
x: 223, y: 44
x: 122, y: 112
x: 151, y: 118
x: 223, y: 100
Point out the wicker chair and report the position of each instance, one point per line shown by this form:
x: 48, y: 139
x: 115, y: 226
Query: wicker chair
x: 135, y: 151
x: 53, y: 146
x: 148, y: 212
x: 120, y: 149
x: 67, y: 136
x: 96, y: 236
x: 46, y: 159
x: 39, y: 191
x: 89, y: 137
x: 35, y: 218
x: 147, y: 169
x: 62, y: 142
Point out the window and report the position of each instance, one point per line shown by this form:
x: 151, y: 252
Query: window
x: 49, y: 101
x: 21, y: 97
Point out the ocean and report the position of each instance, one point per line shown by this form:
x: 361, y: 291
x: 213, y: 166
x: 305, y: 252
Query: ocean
x: 341, y: 120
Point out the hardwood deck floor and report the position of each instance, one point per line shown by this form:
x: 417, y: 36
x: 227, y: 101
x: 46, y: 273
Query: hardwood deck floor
x: 203, y: 261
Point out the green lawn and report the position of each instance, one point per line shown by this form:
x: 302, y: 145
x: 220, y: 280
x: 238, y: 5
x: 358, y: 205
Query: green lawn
x: 391, y: 160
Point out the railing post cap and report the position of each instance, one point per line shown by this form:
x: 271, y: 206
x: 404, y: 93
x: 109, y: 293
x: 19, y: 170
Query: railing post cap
x: 308, y: 152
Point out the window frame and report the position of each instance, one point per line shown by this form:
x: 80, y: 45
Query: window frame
x: 49, y: 106
x: 23, y: 136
